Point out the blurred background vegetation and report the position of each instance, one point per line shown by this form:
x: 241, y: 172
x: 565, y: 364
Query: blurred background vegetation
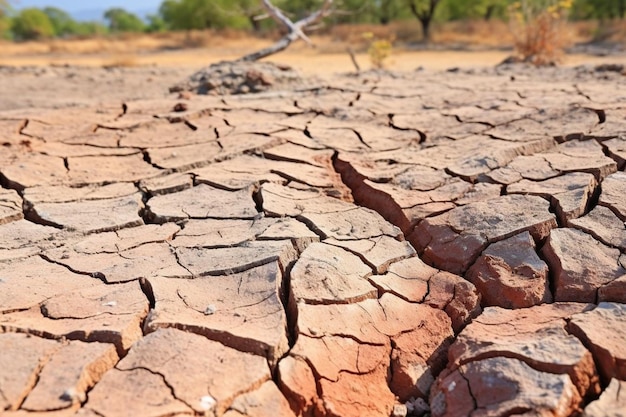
x: 243, y: 15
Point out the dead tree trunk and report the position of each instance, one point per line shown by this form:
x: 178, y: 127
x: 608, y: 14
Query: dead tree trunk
x: 295, y: 30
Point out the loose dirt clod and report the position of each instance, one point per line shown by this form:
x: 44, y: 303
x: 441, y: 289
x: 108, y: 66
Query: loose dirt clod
x: 240, y: 77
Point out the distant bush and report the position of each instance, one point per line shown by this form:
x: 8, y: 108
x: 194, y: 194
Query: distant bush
x: 379, y: 50
x: 32, y: 24
x: 538, y: 29
x: 122, y: 21
x: 61, y: 21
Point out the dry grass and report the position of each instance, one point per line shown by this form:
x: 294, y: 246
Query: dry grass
x: 143, y: 49
x: 122, y: 60
x: 474, y: 33
x: 130, y: 43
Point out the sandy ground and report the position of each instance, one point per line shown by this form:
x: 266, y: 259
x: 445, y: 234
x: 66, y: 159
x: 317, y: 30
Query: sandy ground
x: 63, y: 79
x: 307, y: 61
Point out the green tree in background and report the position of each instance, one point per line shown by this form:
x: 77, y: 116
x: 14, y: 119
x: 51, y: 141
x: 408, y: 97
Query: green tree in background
x: 474, y: 9
x: 155, y: 24
x: 251, y: 9
x: 32, y: 24
x: 204, y: 14
x: 119, y: 20
x: 297, y: 9
x: 89, y: 29
x: 389, y: 10
x: 599, y: 9
x: 62, y: 22
x: 5, y: 22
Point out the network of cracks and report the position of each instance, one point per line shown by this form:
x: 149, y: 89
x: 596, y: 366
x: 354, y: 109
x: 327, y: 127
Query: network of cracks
x: 443, y: 244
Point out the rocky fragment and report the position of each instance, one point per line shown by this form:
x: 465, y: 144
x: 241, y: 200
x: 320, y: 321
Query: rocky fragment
x: 614, y: 290
x: 168, y: 184
x: 34, y: 169
x: 419, y: 178
x: 603, y: 225
x: 529, y: 167
x: 246, y: 170
x: 325, y: 274
x: 569, y: 193
x: 202, y: 202
x: 67, y: 376
x: 297, y: 382
x: 581, y: 156
x: 458, y: 297
x: 125, y: 239
x: 613, y: 194
x: 141, y: 261
x: 106, y: 169
x: 187, y: 157
x: 198, y: 261
x: 22, y: 360
x: 288, y: 201
x: 137, y: 392
x: 502, y: 386
x: 27, y: 282
x: 407, y: 279
x: 354, y: 383
x: 107, y: 314
x: 21, y: 238
x: 377, y: 252
x: 91, y: 216
x: 358, y: 223
x: 194, y: 368
x: 239, y: 77
x: 509, y: 274
x: 616, y: 149
x: 10, y: 206
x: 419, y: 355
x: 602, y: 331
x: 301, y: 154
x: 453, y: 241
x: 66, y: 194
x: 327, y: 216
x: 241, y: 310
x: 536, y: 336
x: 267, y: 401
x: 611, y: 402
x: 580, y: 264
x: 223, y: 233
x: 238, y: 173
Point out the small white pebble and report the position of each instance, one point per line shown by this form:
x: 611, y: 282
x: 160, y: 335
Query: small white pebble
x: 400, y: 410
x: 71, y: 394
x: 110, y: 304
x: 207, y: 402
x: 211, y: 309
x: 451, y: 386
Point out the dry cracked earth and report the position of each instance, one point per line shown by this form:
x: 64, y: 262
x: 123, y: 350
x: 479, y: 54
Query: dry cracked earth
x: 443, y: 244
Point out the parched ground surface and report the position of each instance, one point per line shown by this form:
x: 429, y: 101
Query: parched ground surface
x: 449, y: 244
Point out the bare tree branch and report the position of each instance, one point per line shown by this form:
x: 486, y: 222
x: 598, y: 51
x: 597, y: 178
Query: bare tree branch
x: 295, y: 30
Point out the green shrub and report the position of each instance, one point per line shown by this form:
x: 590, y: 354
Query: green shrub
x: 32, y: 24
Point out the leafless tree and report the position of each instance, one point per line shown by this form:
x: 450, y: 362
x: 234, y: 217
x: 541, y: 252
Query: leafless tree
x: 295, y: 30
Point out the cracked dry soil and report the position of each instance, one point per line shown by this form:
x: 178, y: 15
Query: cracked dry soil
x: 443, y: 244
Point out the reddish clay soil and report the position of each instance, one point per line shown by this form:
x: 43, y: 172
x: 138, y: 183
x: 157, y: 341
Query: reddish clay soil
x: 384, y: 244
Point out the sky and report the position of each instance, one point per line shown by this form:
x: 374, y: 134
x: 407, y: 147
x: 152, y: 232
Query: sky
x: 76, y: 5
x: 91, y: 8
